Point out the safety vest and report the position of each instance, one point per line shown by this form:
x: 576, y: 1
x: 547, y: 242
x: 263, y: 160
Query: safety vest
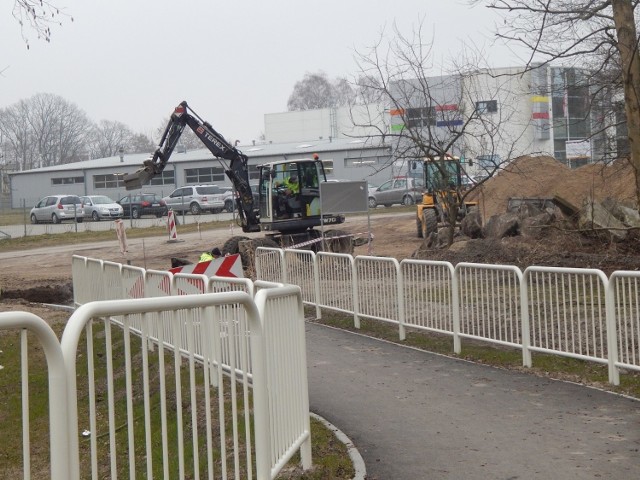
x: 205, y: 257
x: 293, y: 186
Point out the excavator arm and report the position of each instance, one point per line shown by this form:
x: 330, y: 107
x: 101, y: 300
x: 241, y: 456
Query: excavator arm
x: 236, y: 169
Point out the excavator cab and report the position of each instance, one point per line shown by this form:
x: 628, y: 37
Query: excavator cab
x: 289, y: 194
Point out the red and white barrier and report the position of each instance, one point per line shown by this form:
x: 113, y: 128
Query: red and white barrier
x: 229, y: 266
x: 171, y: 225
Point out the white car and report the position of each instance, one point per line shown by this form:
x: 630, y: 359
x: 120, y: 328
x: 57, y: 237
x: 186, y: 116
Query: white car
x: 99, y: 207
x: 56, y: 208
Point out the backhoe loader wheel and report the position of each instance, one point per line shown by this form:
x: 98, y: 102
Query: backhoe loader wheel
x: 429, y: 222
x: 342, y: 244
x: 419, y: 227
x: 230, y: 247
x: 248, y: 257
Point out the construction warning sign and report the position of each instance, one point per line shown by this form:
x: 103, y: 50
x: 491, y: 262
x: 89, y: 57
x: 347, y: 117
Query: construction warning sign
x: 228, y: 266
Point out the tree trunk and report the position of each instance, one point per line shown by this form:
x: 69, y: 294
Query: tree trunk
x: 623, y: 17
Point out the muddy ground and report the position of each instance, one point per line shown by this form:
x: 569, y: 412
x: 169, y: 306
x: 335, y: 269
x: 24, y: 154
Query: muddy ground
x: 44, y: 274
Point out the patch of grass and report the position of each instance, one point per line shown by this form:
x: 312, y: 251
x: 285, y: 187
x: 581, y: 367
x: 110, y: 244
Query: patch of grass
x: 330, y: 458
x: 552, y: 366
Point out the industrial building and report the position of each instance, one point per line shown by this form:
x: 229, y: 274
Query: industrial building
x: 544, y: 111
x: 344, y: 158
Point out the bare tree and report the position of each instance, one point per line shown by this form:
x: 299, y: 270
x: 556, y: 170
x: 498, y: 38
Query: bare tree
x: 315, y: 90
x: 18, y: 145
x: 45, y: 130
x: 438, y: 117
x: 108, y: 138
x: 600, y: 35
x: 38, y: 16
x: 141, y: 143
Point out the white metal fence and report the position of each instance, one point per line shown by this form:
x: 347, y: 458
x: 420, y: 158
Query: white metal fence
x: 578, y: 313
x: 205, y: 385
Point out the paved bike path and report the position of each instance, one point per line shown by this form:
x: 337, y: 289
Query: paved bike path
x: 416, y: 415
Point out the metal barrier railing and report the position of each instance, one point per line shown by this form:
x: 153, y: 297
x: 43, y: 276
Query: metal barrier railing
x: 577, y: 313
x: 377, y: 288
x: 570, y: 312
x: 489, y: 303
x: 566, y: 312
x: 428, y: 295
x: 623, y: 303
x: 59, y: 435
x: 247, y: 386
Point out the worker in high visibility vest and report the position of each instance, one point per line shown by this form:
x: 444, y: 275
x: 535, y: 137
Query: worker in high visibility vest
x: 291, y: 185
x: 208, y: 256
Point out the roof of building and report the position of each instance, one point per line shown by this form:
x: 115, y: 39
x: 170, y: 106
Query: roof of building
x: 253, y: 151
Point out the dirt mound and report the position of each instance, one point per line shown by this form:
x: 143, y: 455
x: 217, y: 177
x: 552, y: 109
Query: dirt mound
x: 562, y: 244
x: 544, y: 176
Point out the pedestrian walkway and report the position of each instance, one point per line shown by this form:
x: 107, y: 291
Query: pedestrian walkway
x: 417, y: 415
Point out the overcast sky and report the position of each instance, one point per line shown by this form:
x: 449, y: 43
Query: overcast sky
x: 233, y: 61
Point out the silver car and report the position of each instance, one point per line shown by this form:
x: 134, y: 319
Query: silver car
x: 56, y: 208
x: 99, y: 207
x: 196, y: 199
x: 398, y: 190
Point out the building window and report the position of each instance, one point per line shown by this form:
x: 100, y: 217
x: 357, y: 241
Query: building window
x: 328, y: 166
x: 487, y: 106
x: 108, y: 181
x: 167, y: 177
x: 421, y: 117
x: 67, y: 180
x: 363, y: 161
x: 197, y: 176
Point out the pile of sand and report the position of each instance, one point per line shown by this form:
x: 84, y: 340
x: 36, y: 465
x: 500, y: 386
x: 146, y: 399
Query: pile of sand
x: 546, y: 177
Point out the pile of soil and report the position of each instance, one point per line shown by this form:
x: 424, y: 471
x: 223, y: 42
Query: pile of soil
x: 546, y: 177
x: 562, y: 245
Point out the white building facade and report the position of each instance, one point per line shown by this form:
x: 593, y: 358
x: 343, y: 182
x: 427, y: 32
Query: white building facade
x: 506, y: 112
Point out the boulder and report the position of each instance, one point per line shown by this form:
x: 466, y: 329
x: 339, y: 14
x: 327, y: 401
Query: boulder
x: 471, y: 225
x: 536, y: 226
x: 500, y: 226
x: 593, y: 216
x: 626, y: 215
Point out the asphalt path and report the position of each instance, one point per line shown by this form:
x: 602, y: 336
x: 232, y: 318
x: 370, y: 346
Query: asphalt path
x: 417, y: 415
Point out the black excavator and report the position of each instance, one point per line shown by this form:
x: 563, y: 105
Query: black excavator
x: 287, y: 215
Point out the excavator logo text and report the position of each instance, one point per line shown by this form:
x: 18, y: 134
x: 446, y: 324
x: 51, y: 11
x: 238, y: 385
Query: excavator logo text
x: 202, y: 131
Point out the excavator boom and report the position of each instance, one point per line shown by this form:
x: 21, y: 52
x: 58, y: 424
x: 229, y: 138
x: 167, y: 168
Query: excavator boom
x: 236, y: 168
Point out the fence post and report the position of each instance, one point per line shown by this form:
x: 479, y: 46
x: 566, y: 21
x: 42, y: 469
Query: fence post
x: 455, y: 310
x: 612, y: 337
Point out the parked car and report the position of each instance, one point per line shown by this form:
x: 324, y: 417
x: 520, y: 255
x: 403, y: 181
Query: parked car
x: 56, y: 208
x: 141, y: 204
x: 98, y: 207
x: 229, y: 198
x: 400, y: 190
x: 196, y: 199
